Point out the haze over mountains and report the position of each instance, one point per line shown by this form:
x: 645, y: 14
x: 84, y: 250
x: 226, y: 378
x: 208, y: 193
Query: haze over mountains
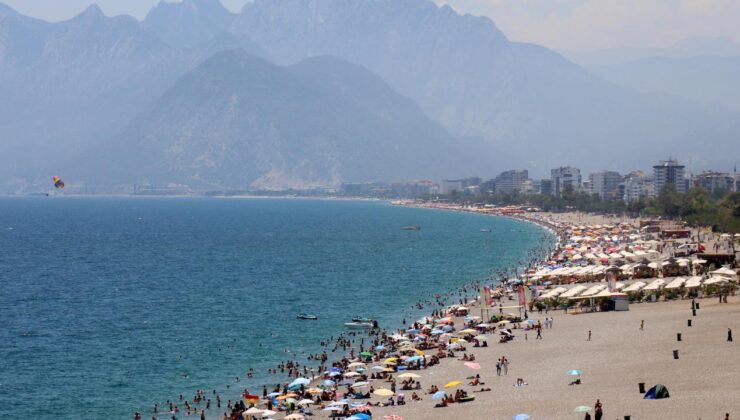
x: 294, y: 93
x: 705, y: 70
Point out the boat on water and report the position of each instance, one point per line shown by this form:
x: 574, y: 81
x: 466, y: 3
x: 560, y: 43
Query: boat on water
x: 362, y: 319
x: 412, y: 227
x: 308, y: 316
x: 358, y: 325
x: 485, y: 230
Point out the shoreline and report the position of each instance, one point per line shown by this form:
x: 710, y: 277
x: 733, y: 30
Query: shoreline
x: 658, y: 314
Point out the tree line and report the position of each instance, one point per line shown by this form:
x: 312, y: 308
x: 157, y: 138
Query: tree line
x: 720, y: 210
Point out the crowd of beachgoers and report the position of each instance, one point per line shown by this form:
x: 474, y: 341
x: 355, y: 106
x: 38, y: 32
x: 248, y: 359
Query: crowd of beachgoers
x: 582, y: 262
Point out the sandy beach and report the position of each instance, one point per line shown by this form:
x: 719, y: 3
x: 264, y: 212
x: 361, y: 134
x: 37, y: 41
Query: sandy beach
x: 619, y: 356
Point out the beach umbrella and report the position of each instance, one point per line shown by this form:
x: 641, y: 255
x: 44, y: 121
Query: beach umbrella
x: 391, y: 360
x: 314, y: 391
x: 413, y: 358
x: 351, y: 374
x: 328, y: 382
x: 354, y: 365
x: 273, y: 394
x: 472, y: 365
x: 521, y: 417
x: 439, y: 395
x: 335, y: 373
x: 504, y: 322
x: 268, y: 413
x: 468, y: 331
x: 380, y: 347
x: 253, y: 410
x: 437, y: 332
x: 419, y: 352
x: 383, y: 392
x: 481, y: 338
x: 333, y: 408
x: 360, y: 384
x: 409, y: 375
x: 377, y: 368
x: 366, y: 354
x: 447, y: 328
x: 582, y: 409
x: 574, y: 372
x: 305, y: 401
x: 361, y: 416
x: 301, y: 381
x: 453, y: 384
x: 295, y: 416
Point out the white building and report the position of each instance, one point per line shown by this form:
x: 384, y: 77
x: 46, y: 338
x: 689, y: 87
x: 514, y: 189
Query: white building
x: 605, y: 184
x: 510, y: 181
x: 565, y: 178
x: 638, y: 185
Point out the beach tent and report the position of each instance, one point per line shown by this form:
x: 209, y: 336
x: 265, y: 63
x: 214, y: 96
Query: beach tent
x: 658, y: 392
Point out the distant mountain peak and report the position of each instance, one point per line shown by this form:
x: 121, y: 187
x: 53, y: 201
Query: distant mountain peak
x: 93, y: 12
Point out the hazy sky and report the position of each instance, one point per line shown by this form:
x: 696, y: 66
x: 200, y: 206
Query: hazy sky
x: 559, y: 24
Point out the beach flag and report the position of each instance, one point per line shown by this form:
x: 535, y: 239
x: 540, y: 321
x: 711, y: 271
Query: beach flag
x: 251, y: 399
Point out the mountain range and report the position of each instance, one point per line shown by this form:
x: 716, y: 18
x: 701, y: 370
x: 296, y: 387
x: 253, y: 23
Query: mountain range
x: 292, y: 93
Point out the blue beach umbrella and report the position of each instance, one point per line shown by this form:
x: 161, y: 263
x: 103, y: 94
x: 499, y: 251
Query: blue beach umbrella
x: 328, y: 383
x: 380, y: 347
x: 574, y: 372
x: 301, y: 381
x: 413, y: 331
x: 439, y: 395
x: 361, y: 416
x: 335, y: 373
x: 447, y: 328
x: 437, y: 332
x: 377, y: 368
x: 294, y: 387
x: 521, y: 416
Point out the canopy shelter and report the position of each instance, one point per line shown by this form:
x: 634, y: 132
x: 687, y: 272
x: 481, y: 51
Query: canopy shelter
x: 655, y: 285
x: 692, y: 282
x: 676, y: 283
x: 634, y: 287
x: 575, y: 291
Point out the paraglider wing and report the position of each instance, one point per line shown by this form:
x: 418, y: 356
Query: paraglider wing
x: 58, y: 183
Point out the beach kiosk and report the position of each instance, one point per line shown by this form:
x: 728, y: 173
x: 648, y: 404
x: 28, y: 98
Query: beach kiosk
x: 619, y: 302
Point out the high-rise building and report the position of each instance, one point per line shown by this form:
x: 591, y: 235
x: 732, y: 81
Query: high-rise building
x: 637, y: 185
x: 669, y: 173
x: 712, y: 181
x: 565, y: 178
x: 510, y: 181
x: 605, y: 184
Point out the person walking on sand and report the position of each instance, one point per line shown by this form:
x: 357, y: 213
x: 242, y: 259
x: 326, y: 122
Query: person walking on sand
x: 729, y: 335
x: 597, y: 410
x: 498, y: 368
x: 589, y: 336
x: 642, y: 325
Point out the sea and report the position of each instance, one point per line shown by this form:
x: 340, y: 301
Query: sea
x: 109, y: 305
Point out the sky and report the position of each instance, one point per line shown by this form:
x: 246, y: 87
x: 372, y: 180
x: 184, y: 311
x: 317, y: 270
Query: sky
x: 566, y: 25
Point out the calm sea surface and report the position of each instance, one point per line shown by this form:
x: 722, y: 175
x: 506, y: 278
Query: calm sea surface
x: 108, y: 305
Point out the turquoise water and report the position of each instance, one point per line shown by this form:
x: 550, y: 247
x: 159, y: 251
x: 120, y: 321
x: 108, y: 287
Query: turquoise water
x: 111, y: 304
